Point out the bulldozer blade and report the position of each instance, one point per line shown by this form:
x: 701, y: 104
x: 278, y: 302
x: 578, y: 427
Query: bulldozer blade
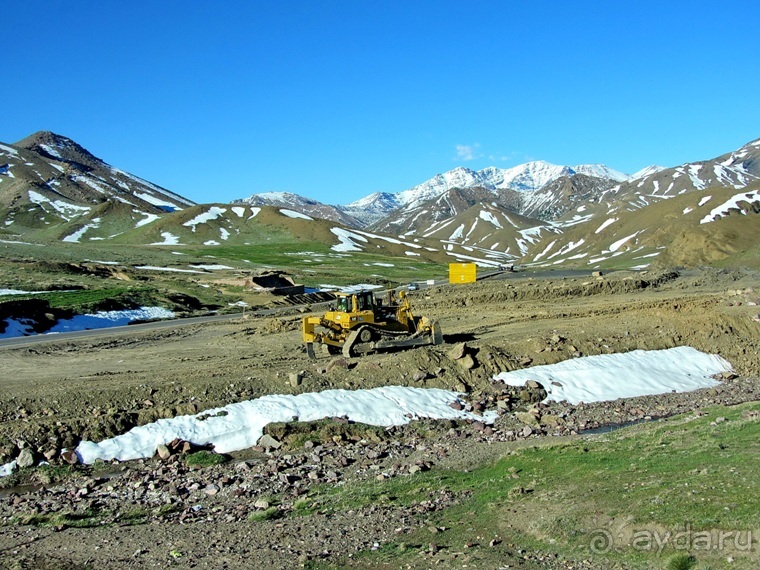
x: 310, y: 350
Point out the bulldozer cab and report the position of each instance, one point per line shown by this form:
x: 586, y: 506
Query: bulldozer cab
x: 355, y: 302
x: 365, y: 301
x: 343, y: 304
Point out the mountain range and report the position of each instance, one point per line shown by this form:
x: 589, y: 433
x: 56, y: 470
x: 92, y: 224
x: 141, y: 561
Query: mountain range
x: 536, y: 214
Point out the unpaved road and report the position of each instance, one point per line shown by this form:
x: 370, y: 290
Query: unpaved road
x: 54, y: 394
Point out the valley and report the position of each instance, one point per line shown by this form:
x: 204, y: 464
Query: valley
x: 377, y: 493
x: 607, y: 264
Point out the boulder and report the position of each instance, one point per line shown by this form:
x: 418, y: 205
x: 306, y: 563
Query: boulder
x: 268, y: 442
x: 527, y: 418
x: 458, y: 351
x: 26, y: 458
x: 163, y: 452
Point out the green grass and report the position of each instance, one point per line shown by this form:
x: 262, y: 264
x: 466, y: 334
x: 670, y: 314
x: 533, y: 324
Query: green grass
x: 205, y: 458
x: 269, y: 514
x: 90, y: 299
x: 684, y: 475
x: 315, y: 263
x: 84, y: 519
x: 44, y: 475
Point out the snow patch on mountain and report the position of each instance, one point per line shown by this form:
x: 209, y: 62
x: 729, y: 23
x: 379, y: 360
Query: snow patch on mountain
x: 489, y: 217
x: 169, y: 239
x: 731, y: 204
x: 77, y: 235
x: 294, y: 214
x: 347, y: 242
x: 64, y: 209
x: 605, y: 224
x: 212, y: 213
x: 647, y: 171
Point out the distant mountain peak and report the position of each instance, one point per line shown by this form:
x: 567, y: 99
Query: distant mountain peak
x: 647, y: 171
x: 67, y: 182
x: 302, y: 204
x: 58, y: 147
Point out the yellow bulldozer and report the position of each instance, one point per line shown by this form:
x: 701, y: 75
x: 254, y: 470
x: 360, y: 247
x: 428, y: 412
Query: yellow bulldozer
x: 359, y: 323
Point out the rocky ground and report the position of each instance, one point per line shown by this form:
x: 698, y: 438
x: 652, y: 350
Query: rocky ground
x: 166, y: 511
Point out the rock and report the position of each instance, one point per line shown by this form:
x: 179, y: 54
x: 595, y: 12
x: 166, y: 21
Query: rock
x: 50, y: 454
x: 268, y: 442
x: 25, y: 458
x: 419, y: 376
x: 467, y: 362
x: 296, y: 378
x: 70, y: 457
x: 457, y: 405
x: 458, y: 351
x: 551, y: 421
x: 527, y: 418
x: 526, y: 431
x: 262, y: 504
x: 287, y: 478
x: 338, y: 363
x: 533, y: 392
x: 163, y: 452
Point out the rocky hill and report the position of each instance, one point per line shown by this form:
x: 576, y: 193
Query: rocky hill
x: 52, y: 187
x: 55, y: 167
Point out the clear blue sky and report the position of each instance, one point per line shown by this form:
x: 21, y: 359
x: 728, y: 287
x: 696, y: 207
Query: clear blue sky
x: 333, y: 100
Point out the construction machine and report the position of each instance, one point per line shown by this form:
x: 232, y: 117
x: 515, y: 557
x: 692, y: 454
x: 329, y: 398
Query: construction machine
x: 359, y: 323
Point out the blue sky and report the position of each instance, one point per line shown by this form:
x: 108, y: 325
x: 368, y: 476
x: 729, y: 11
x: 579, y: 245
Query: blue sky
x: 335, y: 100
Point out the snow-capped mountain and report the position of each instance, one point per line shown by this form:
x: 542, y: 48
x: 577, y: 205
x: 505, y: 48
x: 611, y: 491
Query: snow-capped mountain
x: 525, y: 178
x: 647, y: 171
x: 372, y: 208
x: 536, y: 214
x: 46, y: 168
x: 733, y: 170
x: 300, y: 204
x: 553, y: 200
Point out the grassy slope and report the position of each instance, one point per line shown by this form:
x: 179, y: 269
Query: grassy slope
x: 687, y: 475
x: 671, y: 227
